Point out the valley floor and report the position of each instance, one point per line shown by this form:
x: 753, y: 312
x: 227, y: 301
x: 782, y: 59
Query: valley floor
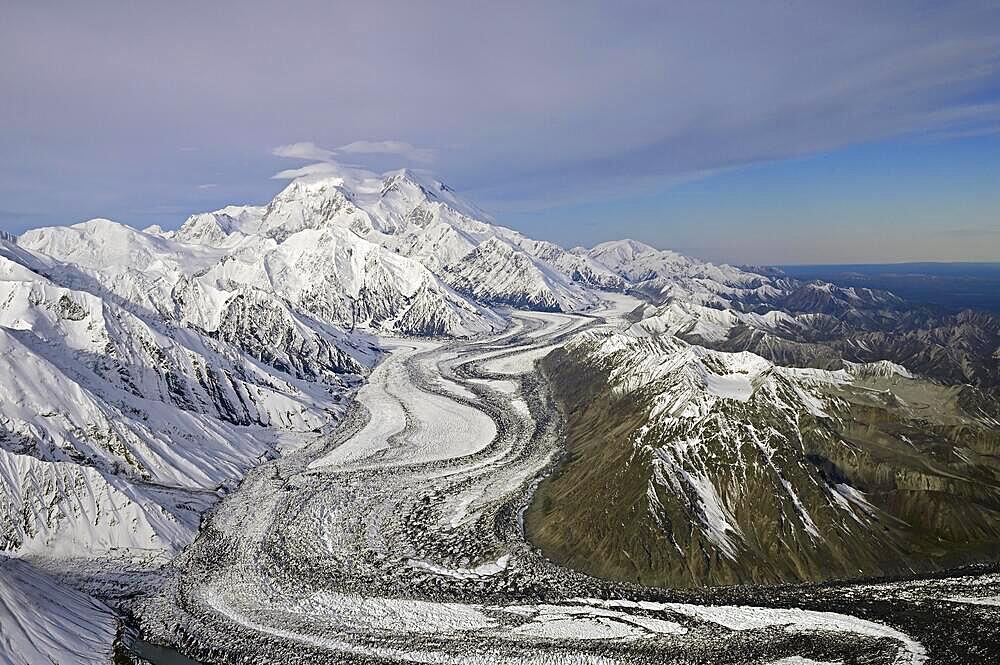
x: 401, y: 540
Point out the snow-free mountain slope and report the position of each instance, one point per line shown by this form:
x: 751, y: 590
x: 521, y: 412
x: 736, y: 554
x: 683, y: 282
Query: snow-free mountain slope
x: 697, y: 466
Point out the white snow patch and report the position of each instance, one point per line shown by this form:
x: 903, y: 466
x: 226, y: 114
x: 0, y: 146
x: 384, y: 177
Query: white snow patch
x: 991, y: 601
x: 487, y: 569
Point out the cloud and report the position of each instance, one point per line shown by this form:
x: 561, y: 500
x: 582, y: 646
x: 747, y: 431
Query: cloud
x: 961, y: 134
x: 319, y: 169
x: 325, y: 161
x: 310, y: 151
x: 207, y: 185
x: 400, y: 148
x: 304, y: 150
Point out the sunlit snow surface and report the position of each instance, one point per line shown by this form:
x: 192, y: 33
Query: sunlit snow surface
x: 401, y: 540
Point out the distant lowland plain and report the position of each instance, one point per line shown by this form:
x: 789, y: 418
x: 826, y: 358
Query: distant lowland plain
x: 953, y: 286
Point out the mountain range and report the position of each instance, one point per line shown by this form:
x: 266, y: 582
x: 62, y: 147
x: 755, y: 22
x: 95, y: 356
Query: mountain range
x: 746, y: 427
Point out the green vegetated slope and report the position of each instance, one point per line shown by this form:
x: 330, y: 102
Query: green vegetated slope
x: 688, y: 466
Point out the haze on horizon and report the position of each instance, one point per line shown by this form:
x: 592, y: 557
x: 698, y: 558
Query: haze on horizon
x: 766, y: 133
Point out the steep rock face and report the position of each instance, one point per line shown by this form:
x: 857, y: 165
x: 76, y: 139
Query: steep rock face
x: 689, y: 466
x: 311, y: 205
x: 272, y: 333
x: 153, y: 359
x: 575, y: 264
x: 347, y: 281
x: 64, y: 508
x: 73, y: 462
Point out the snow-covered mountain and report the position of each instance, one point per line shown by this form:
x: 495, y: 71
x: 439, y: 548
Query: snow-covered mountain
x: 144, y: 370
x: 327, y: 271
x: 109, y: 407
x: 422, y: 219
x: 225, y: 226
x: 496, y: 272
x: 664, y: 275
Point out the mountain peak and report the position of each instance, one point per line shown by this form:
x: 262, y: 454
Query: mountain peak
x: 220, y: 227
x: 100, y: 224
x: 421, y: 185
x: 155, y: 230
x: 626, y: 245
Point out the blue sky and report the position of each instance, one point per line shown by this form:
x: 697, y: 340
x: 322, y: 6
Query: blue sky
x: 764, y: 132
x: 909, y: 199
